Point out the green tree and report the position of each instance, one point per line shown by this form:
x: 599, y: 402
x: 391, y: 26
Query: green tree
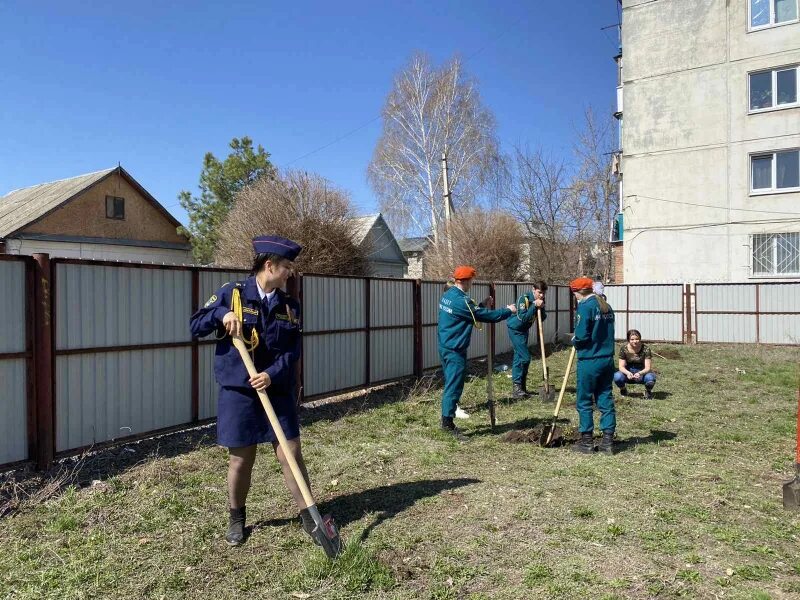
x: 220, y: 181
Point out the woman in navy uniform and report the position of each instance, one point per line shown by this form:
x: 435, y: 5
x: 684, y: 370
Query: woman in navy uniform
x: 268, y: 319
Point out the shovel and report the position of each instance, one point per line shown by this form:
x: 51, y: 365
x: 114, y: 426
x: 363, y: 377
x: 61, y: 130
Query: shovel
x: 546, y: 392
x: 325, y: 533
x: 551, y: 434
x: 490, y: 375
x: 791, y: 489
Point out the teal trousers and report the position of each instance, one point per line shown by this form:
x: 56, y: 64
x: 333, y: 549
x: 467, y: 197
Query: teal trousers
x: 595, y: 380
x: 454, y: 366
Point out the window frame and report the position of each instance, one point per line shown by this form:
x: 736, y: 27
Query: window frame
x: 113, y: 200
x: 774, y: 251
x: 774, y: 172
x: 772, y: 22
x: 773, y: 71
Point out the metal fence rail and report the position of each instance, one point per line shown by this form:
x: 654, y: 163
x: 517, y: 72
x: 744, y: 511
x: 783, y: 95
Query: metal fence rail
x: 97, y: 352
x: 765, y: 313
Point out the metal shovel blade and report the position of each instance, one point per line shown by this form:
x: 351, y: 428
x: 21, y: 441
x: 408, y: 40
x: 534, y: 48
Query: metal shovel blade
x: 328, y: 537
x: 551, y: 435
x: 547, y: 393
x: 791, y: 492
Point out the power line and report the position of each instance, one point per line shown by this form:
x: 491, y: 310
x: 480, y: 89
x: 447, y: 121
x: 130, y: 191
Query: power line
x: 752, y: 210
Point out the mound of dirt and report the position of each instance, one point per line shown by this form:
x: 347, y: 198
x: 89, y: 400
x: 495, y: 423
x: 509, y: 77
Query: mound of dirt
x: 668, y: 353
x: 561, y: 437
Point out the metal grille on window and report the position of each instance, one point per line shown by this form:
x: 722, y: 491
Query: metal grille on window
x: 762, y: 254
x: 787, y: 252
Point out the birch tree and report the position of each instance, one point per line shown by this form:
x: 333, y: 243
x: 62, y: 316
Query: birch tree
x: 429, y: 111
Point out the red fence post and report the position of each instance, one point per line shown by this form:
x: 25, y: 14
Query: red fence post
x: 30, y: 362
x: 195, y: 400
x: 367, y: 335
x: 43, y: 363
x: 418, y: 359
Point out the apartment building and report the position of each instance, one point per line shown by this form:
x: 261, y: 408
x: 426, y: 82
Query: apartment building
x: 709, y: 160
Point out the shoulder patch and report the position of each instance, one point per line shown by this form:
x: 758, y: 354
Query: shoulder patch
x: 210, y: 301
x: 577, y: 318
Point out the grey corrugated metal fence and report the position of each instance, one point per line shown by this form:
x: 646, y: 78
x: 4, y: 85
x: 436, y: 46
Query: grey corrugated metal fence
x: 765, y: 313
x: 15, y: 355
x: 112, y: 356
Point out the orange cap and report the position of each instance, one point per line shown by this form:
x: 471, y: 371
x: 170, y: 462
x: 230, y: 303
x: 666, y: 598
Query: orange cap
x: 464, y: 272
x: 581, y: 283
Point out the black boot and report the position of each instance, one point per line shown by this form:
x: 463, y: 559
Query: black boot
x: 623, y: 391
x: 517, y: 392
x: 449, y: 427
x: 585, y: 445
x: 524, y: 384
x: 308, y: 524
x: 648, y: 393
x: 236, y: 520
x: 606, y: 444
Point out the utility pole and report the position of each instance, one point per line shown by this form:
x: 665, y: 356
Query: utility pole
x: 448, y: 205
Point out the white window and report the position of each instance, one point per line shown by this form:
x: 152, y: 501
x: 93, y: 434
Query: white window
x: 776, y: 88
x: 775, y: 172
x: 768, y: 13
x: 776, y: 253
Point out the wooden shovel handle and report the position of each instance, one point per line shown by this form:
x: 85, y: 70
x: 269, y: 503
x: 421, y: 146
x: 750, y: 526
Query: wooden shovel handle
x: 541, y: 347
x: 276, y: 425
x: 564, y: 383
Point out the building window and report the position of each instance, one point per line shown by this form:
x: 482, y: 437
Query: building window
x: 115, y: 207
x: 776, y: 88
x: 776, y: 254
x: 768, y: 13
x: 775, y: 172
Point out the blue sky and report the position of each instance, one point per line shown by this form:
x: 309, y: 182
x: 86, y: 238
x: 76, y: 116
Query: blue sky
x: 154, y: 85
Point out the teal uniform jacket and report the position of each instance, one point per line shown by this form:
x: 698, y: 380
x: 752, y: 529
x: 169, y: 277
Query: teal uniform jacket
x: 526, y: 313
x: 458, y: 313
x: 519, y: 326
x: 594, y: 345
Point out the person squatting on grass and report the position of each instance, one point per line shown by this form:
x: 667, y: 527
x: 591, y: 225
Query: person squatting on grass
x: 518, y: 329
x: 635, y: 365
x: 458, y: 313
x: 268, y: 319
x: 594, y: 345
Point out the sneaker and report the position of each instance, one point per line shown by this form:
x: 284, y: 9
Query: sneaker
x: 447, y: 425
x: 460, y: 413
x: 648, y: 394
x: 235, y: 535
x: 623, y: 391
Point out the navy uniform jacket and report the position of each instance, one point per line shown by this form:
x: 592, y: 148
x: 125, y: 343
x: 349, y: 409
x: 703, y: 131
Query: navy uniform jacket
x: 456, y: 311
x: 594, y: 330
x: 526, y: 315
x: 279, y: 336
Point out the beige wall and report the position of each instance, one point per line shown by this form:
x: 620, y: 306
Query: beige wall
x: 136, y: 254
x: 688, y: 137
x: 86, y: 216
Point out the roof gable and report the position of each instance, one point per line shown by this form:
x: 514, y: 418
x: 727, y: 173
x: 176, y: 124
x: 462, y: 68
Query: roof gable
x: 21, y: 208
x: 373, y: 230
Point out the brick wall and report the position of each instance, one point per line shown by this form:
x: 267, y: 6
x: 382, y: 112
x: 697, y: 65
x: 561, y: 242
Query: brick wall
x: 86, y: 216
x: 618, y: 272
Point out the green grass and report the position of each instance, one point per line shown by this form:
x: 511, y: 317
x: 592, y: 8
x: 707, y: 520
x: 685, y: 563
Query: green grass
x: 691, y: 508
